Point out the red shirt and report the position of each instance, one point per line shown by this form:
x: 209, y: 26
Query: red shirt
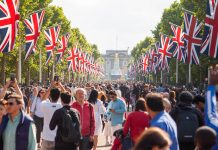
x: 136, y: 123
x: 85, y: 118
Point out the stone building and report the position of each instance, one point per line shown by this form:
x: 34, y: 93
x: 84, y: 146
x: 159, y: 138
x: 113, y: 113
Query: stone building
x: 115, y: 66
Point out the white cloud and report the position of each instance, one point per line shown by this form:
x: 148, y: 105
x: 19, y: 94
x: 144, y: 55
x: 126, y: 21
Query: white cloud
x: 102, y: 20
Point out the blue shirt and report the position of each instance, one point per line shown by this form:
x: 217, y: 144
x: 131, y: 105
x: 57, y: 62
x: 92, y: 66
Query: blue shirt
x: 211, y: 115
x: 120, y: 108
x: 164, y: 121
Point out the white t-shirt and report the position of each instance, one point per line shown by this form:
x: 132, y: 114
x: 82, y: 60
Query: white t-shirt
x: 36, y: 107
x: 48, y: 110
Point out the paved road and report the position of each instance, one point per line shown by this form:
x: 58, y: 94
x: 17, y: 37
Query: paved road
x: 101, y: 143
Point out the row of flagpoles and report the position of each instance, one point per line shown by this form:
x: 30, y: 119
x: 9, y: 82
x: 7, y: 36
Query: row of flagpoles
x: 78, y: 61
x: 186, y: 45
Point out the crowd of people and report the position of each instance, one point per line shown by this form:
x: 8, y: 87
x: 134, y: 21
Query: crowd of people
x: 131, y: 115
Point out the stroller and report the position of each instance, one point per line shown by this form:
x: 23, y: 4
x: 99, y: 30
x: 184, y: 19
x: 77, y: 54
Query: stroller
x: 121, y: 142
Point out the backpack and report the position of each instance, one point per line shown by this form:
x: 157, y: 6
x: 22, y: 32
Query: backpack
x: 71, y: 131
x: 187, y: 124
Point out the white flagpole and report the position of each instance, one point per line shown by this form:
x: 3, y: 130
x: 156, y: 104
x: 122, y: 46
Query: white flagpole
x: 161, y: 78
x: 40, y: 66
x: 189, y: 74
x: 177, y: 71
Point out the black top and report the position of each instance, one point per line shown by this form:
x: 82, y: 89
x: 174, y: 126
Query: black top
x: 57, y: 120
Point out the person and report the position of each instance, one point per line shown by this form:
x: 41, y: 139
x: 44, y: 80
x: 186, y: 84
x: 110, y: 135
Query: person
x: 211, y: 115
x: 153, y: 139
x: 3, y: 104
x: 36, y: 112
x: 17, y: 129
x: 160, y: 88
x: 87, y: 119
x: 172, y: 98
x: 99, y: 110
x: 205, y: 138
x: 57, y: 121
x: 160, y: 118
x: 117, y: 108
x: 167, y: 105
x: 199, y: 102
x: 187, y: 119
x: 136, y: 121
x: 48, y: 107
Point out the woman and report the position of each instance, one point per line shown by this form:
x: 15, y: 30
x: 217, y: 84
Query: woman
x: 153, y: 139
x: 137, y: 121
x: 99, y: 110
x: 36, y: 112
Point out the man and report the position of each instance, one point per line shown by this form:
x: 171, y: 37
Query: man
x: 160, y: 118
x: 48, y: 107
x: 17, y: 130
x: 160, y: 88
x: 58, y: 119
x: 116, y: 108
x: 187, y: 119
x: 87, y: 118
x: 211, y: 114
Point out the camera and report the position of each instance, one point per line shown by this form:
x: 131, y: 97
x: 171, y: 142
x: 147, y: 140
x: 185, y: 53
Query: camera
x: 56, y: 78
x: 12, y: 77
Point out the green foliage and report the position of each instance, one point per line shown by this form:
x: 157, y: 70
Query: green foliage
x: 30, y: 68
x: 141, y: 47
x: 174, y: 14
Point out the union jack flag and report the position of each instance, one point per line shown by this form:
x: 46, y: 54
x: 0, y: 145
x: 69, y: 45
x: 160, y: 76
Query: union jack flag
x: 72, y: 59
x: 82, y: 62
x: 192, y: 38
x: 33, y: 27
x: 166, y: 46
x: 63, y: 46
x: 9, y: 18
x: 153, y: 60
x: 51, y: 35
x: 178, y: 39
x: 92, y: 65
x: 210, y: 38
x: 145, y: 63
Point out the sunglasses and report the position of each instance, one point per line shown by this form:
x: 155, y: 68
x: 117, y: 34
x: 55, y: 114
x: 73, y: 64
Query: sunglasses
x: 10, y: 103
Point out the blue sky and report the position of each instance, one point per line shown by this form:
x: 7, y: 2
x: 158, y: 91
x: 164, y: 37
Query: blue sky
x: 114, y: 24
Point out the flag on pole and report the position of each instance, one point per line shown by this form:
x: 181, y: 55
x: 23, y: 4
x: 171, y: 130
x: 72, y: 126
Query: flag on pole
x: 153, y: 60
x: 51, y: 35
x: 178, y: 39
x: 145, y: 63
x: 9, y: 18
x: 192, y: 38
x: 165, y: 54
x: 33, y: 27
x: 210, y: 38
x: 63, y: 46
x: 72, y: 59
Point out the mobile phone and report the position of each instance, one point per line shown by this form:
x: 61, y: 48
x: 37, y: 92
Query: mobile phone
x: 12, y: 77
x: 56, y: 78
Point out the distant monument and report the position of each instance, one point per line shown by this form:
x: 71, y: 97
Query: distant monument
x: 115, y: 65
x: 116, y: 72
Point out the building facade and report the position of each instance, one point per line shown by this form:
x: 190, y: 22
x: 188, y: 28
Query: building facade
x: 115, y: 66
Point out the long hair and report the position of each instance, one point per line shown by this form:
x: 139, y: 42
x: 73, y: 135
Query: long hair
x: 93, y: 97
